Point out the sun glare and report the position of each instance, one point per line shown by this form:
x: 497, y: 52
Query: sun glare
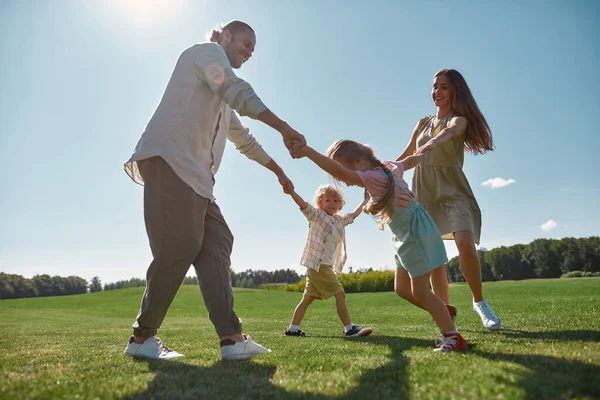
x: 144, y: 14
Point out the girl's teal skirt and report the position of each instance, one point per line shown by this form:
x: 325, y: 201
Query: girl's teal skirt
x: 417, y: 240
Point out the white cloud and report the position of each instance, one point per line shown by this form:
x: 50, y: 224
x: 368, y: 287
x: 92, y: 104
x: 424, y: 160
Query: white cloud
x: 548, y: 226
x: 498, y: 182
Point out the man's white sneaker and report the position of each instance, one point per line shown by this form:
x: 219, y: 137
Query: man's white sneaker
x: 242, y: 350
x: 151, y: 348
x: 488, y: 318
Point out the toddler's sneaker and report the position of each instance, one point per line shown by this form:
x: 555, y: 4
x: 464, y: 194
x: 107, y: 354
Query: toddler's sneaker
x: 357, y: 331
x: 151, y: 348
x: 231, y: 350
x: 294, y: 333
x: 451, y: 342
x: 488, y: 318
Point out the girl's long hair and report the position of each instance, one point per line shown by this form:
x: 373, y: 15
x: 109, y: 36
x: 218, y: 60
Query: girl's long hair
x: 350, y: 151
x: 478, y: 136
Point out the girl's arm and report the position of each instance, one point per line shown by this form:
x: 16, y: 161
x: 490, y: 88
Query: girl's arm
x: 359, y: 209
x: 299, y: 200
x: 330, y: 166
x: 412, y: 145
x: 412, y: 161
x: 456, y: 128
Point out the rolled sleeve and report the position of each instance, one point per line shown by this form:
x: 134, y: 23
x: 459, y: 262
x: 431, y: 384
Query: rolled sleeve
x: 244, y: 142
x: 215, y: 69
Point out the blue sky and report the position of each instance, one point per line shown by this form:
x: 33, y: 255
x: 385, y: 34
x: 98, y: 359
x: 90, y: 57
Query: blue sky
x: 81, y: 79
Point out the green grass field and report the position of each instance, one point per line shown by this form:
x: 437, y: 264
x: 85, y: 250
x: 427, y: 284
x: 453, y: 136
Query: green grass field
x: 71, y: 348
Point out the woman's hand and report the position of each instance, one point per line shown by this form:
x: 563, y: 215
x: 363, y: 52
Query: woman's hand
x: 426, y: 147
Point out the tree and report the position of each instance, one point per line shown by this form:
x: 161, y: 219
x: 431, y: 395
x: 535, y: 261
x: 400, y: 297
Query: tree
x: 507, y: 263
x: 133, y: 282
x: 453, y: 271
x: 487, y: 274
x: 7, y: 291
x: 95, y: 285
x: 542, y: 256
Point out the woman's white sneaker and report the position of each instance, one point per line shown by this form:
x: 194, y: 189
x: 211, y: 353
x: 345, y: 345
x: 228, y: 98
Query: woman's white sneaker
x: 488, y: 318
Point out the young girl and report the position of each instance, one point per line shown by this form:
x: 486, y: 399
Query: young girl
x: 440, y: 184
x: 325, y: 255
x: 417, y: 242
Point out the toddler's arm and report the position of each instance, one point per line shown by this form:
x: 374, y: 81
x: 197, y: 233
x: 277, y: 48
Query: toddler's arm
x: 299, y: 200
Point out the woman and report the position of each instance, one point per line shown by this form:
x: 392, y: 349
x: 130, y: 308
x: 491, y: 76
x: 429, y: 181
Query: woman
x: 440, y: 184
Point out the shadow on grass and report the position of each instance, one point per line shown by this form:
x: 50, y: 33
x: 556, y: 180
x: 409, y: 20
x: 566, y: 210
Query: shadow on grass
x: 248, y: 380
x: 564, y: 336
x: 223, y: 380
x: 389, y: 381
x: 550, y: 377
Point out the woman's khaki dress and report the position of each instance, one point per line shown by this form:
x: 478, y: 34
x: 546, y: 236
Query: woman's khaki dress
x: 440, y: 185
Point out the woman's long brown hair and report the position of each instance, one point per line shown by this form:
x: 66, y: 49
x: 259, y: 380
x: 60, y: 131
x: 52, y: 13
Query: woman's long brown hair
x: 478, y: 137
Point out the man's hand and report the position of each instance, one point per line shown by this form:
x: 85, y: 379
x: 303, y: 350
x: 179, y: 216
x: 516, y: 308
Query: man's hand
x: 286, y: 184
x: 298, y: 147
x: 293, y: 140
x: 287, y: 132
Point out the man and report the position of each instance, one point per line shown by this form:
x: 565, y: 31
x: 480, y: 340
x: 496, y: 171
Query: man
x: 176, y: 159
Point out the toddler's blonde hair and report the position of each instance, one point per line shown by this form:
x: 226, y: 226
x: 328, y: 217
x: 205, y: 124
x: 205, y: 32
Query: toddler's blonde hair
x: 328, y: 190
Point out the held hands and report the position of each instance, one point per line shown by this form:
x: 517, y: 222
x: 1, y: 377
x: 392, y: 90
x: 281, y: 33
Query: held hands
x: 293, y: 140
x: 430, y: 145
x: 298, y: 148
x: 286, y: 184
x: 412, y: 161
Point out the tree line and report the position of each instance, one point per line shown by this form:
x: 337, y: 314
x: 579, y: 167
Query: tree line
x: 15, y: 286
x: 542, y: 258
x: 246, y: 279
